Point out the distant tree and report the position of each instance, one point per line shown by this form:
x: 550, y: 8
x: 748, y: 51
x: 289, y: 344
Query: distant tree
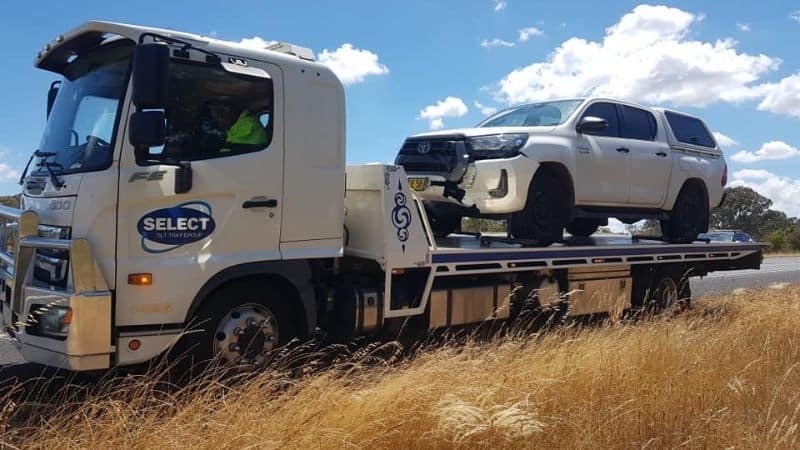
x: 10, y: 200
x: 747, y: 210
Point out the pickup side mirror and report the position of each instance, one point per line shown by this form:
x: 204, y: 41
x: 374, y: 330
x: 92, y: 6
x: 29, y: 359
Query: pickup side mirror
x: 51, y: 96
x: 150, y: 76
x: 592, y: 125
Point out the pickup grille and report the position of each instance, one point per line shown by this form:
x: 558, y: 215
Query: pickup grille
x: 431, y: 156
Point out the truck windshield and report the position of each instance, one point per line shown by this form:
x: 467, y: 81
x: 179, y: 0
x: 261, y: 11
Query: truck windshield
x: 79, y: 133
x: 545, y: 114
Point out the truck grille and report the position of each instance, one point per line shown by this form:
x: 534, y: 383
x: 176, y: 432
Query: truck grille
x: 51, y: 266
x: 432, y: 156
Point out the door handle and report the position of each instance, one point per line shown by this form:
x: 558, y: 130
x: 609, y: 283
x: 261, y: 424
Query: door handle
x: 662, y: 154
x: 266, y: 203
x: 624, y: 150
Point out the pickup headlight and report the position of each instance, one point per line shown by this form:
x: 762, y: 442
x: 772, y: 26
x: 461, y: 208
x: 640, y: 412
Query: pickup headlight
x: 496, y: 145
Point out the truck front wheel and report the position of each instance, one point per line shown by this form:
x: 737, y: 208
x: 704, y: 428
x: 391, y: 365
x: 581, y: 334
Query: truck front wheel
x: 240, y: 324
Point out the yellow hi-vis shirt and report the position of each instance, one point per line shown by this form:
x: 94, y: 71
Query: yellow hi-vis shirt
x: 247, y: 130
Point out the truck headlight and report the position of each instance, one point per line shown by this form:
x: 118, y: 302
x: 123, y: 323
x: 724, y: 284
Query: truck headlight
x: 496, y: 145
x: 55, y: 321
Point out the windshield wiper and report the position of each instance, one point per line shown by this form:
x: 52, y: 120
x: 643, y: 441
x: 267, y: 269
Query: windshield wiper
x: 57, y: 182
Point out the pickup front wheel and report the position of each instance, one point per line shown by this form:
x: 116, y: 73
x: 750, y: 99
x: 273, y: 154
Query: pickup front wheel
x: 546, y: 212
x: 583, y: 227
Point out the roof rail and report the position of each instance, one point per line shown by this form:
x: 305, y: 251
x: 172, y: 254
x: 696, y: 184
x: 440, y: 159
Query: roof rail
x: 291, y: 49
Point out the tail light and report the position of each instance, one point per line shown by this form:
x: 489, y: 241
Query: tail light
x: 725, y: 176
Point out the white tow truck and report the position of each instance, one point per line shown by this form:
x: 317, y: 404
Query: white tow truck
x: 185, y: 182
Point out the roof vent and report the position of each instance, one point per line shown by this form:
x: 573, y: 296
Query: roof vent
x: 291, y: 49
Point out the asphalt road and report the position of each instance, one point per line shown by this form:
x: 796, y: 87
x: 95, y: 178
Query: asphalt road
x: 774, y: 272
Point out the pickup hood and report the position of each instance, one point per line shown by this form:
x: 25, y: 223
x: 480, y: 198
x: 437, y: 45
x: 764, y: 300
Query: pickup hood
x: 470, y: 132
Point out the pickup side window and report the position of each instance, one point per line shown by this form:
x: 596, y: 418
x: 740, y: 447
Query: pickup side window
x: 689, y: 130
x: 212, y: 113
x: 606, y: 111
x: 637, y: 124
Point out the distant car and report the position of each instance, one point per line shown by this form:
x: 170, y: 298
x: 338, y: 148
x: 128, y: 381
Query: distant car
x: 726, y: 236
x: 570, y: 164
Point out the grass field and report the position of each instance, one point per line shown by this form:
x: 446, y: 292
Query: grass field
x: 722, y: 375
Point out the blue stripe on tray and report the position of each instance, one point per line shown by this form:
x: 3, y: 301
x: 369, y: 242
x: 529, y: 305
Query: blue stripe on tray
x: 518, y: 255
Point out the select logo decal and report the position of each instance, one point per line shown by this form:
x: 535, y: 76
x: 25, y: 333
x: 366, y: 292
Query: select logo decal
x: 166, y: 229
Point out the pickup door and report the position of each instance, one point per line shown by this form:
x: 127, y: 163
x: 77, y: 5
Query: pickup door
x: 650, y: 158
x: 602, y: 161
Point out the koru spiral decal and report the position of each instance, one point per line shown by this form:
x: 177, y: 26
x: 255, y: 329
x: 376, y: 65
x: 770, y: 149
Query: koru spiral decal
x: 401, y: 215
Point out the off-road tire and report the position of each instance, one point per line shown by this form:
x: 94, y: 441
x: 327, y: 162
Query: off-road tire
x: 547, y: 211
x: 583, y: 227
x: 443, y: 225
x: 688, y: 218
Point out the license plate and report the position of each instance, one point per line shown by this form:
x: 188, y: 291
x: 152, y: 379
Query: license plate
x: 418, y: 183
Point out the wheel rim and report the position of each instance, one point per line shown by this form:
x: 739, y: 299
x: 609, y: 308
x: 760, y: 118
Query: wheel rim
x: 246, y: 334
x: 548, y: 294
x: 667, y: 292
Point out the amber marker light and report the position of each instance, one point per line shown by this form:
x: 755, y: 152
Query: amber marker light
x: 140, y: 279
x: 134, y: 344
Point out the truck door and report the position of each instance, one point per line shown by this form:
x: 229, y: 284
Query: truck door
x: 602, y: 161
x: 650, y: 157
x: 228, y: 126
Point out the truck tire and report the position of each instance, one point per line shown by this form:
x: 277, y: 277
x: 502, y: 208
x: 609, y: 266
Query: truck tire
x: 547, y: 211
x: 540, y: 302
x: 239, y: 324
x: 583, y: 227
x: 688, y: 218
x: 670, y: 290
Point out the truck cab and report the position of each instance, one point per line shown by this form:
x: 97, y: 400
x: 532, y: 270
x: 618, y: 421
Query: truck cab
x: 239, y: 159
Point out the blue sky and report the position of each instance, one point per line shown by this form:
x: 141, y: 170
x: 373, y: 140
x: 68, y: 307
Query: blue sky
x: 414, y: 65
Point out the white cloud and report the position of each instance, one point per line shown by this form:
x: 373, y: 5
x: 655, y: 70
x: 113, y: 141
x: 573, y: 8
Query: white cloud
x: 496, y: 42
x: 784, y: 192
x: 254, y: 42
x: 8, y: 173
x: 485, y: 110
x: 769, y: 151
x: 724, y: 140
x: 745, y: 27
x: 449, y: 107
x: 661, y: 62
x: 351, y: 64
x: 795, y: 15
x: 782, y: 97
x: 499, y: 5
x: 526, y: 33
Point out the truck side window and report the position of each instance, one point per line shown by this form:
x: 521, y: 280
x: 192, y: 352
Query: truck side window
x: 606, y: 111
x: 689, y: 130
x: 213, y: 113
x: 637, y: 124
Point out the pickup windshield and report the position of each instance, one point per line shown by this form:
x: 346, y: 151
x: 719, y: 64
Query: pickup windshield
x: 79, y: 133
x: 545, y: 114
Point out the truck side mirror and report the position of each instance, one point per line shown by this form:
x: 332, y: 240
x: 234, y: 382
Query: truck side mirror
x: 147, y: 129
x: 591, y: 125
x: 150, y: 76
x: 51, y: 95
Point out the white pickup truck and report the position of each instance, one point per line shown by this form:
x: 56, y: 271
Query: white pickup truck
x: 571, y: 164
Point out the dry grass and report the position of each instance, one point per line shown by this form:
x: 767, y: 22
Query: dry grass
x: 723, y: 375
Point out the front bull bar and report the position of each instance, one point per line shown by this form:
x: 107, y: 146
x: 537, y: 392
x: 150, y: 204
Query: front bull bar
x: 87, y: 344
